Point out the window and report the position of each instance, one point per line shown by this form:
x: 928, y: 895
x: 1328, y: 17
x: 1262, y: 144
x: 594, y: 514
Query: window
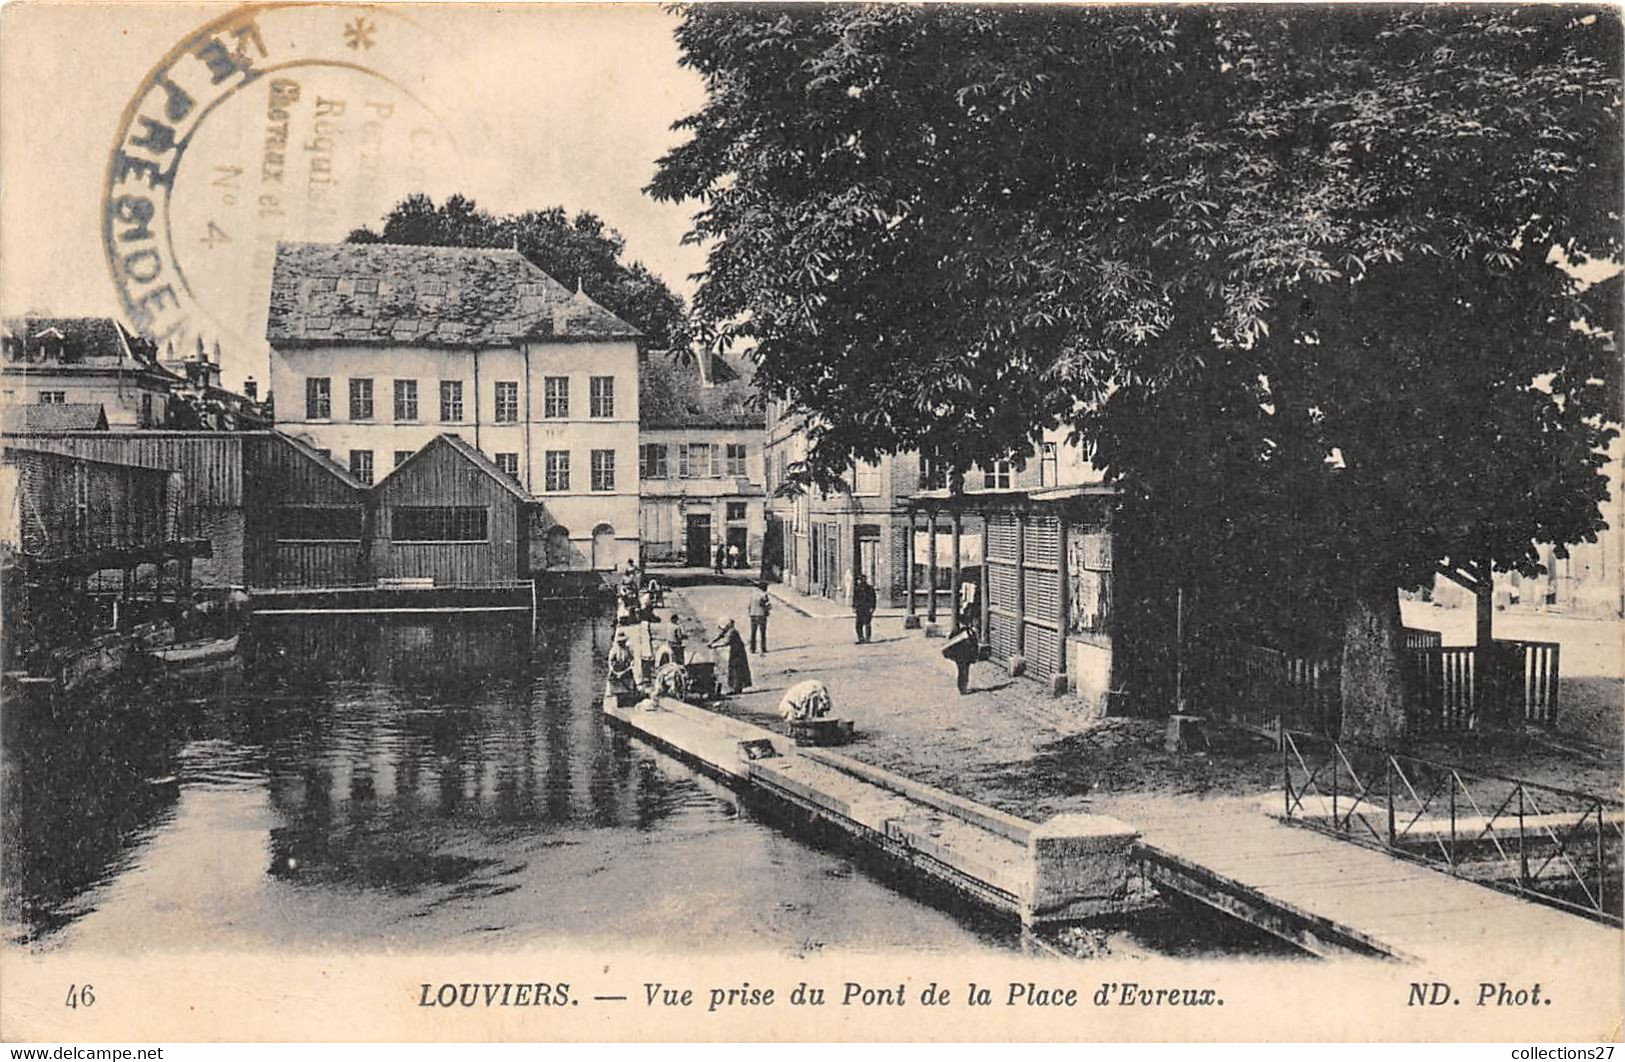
x: 652, y: 461
x: 251, y: 389
x: 603, y: 470
x: 736, y: 459
x: 52, y: 398
x: 933, y: 475
x: 361, y: 465
x: 437, y: 523
x: 865, y: 478
x: 401, y: 456
x: 361, y: 399
x: 698, y: 460
x: 318, y: 523
x: 406, y: 400
x: 451, y: 400
x: 1048, y: 465
x: 997, y: 476
x: 602, y: 396
x: 784, y: 470
x: 318, y: 398
x: 556, y: 470
x: 507, y: 405
x: 147, y: 419
x: 556, y: 396
x: 736, y: 510
x: 509, y: 463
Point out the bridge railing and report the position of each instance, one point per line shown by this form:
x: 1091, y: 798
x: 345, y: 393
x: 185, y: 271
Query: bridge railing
x: 1559, y: 846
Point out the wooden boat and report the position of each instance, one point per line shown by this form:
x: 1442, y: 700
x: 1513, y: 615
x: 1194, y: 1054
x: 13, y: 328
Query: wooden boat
x: 198, y: 651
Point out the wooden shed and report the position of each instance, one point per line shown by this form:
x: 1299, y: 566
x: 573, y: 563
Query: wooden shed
x: 276, y: 511
x: 310, y: 521
x: 450, y: 515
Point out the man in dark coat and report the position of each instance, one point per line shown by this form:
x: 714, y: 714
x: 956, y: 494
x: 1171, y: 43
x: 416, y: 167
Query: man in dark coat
x: 863, y: 607
x: 731, y: 656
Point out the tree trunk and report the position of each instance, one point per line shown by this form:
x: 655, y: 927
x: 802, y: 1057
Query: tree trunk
x: 1373, y: 682
x: 1485, y: 604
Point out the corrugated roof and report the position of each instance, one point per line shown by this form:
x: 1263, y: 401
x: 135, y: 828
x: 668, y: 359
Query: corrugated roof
x: 63, y: 416
x: 671, y: 394
x: 379, y: 293
x: 322, y: 459
x: 485, y: 464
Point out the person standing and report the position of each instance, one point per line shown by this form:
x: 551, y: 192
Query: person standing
x: 733, y: 556
x: 863, y: 606
x: 963, y: 649
x: 721, y: 555
x: 622, y: 667
x: 761, y: 603
x: 731, y: 653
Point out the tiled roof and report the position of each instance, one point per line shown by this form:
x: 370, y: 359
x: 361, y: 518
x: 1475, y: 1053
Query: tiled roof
x: 82, y: 337
x: 63, y: 416
x: 672, y: 395
x: 424, y: 296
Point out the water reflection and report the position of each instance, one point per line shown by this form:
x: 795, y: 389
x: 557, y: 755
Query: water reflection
x: 366, y: 783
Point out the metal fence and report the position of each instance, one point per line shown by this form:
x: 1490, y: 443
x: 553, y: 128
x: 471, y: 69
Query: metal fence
x: 1448, y: 688
x: 1561, y: 847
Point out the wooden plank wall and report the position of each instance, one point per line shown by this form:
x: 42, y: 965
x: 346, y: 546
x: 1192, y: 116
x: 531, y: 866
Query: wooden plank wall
x: 279, y: 474
x: 72, y: 505
x: 442, y: 476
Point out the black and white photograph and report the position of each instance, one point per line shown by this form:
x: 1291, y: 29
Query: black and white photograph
x: 811, y: 522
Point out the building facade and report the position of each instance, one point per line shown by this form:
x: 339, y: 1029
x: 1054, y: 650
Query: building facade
x: 377, y: 349
x: 700, y: 462
x: 819, y: 540
x: 85, y: 361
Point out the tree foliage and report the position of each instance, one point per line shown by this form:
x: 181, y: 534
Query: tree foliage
x: 1289, y: 271
x: 580, y: 249
x: 1326, y: 234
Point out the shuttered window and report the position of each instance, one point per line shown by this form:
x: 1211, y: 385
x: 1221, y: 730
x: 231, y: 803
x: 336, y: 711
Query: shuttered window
x: 437, y: 523
x: 318, y: 523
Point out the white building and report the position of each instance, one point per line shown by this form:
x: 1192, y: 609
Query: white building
x: 700, y: 461
x: 378, y: 348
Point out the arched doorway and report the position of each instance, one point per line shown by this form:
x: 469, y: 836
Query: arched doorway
x: 603, y: 548
x: 559, y: 552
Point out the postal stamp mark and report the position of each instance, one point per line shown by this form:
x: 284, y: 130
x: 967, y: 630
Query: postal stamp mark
x: 272, y: 122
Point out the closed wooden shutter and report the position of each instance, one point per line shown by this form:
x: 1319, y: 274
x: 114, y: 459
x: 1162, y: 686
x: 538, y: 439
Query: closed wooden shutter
x: 1004, y: 610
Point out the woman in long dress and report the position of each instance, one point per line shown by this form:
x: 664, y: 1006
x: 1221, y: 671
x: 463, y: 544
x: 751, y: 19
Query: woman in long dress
x: 731, y: 654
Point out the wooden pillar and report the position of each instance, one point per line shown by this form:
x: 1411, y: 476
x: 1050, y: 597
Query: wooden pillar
x: 953, y: 598
x: 1021, y: 585
x: 931, y: 573
x: 912, y: 620
x: 985, y: 591
x: 1063, y: 616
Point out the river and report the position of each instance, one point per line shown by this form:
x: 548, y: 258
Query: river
x: 375, y: 784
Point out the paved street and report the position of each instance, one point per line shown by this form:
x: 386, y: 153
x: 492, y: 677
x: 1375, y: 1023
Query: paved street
x: 1009, y: 743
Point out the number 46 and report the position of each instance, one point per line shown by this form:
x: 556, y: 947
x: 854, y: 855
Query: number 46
x: 81, y: 995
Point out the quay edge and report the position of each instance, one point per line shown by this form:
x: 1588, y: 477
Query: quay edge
x: 1071, y: 868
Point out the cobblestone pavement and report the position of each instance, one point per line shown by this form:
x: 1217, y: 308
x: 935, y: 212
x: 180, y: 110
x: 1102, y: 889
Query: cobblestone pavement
x: 1009, y: 743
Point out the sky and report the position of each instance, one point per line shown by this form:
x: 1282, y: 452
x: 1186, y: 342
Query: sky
x: 529, y: 107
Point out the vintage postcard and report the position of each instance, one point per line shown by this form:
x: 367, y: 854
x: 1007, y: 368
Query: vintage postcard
x: 557, y: 522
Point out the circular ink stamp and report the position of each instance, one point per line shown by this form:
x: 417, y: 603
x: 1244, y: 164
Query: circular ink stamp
x: 273, y: 122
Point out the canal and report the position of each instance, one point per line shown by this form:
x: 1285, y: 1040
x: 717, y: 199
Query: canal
x: 368, y: 784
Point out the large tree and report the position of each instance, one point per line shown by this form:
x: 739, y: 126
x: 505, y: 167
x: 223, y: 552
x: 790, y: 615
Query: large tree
x: 573, y: 250
x: 1320, y: 240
